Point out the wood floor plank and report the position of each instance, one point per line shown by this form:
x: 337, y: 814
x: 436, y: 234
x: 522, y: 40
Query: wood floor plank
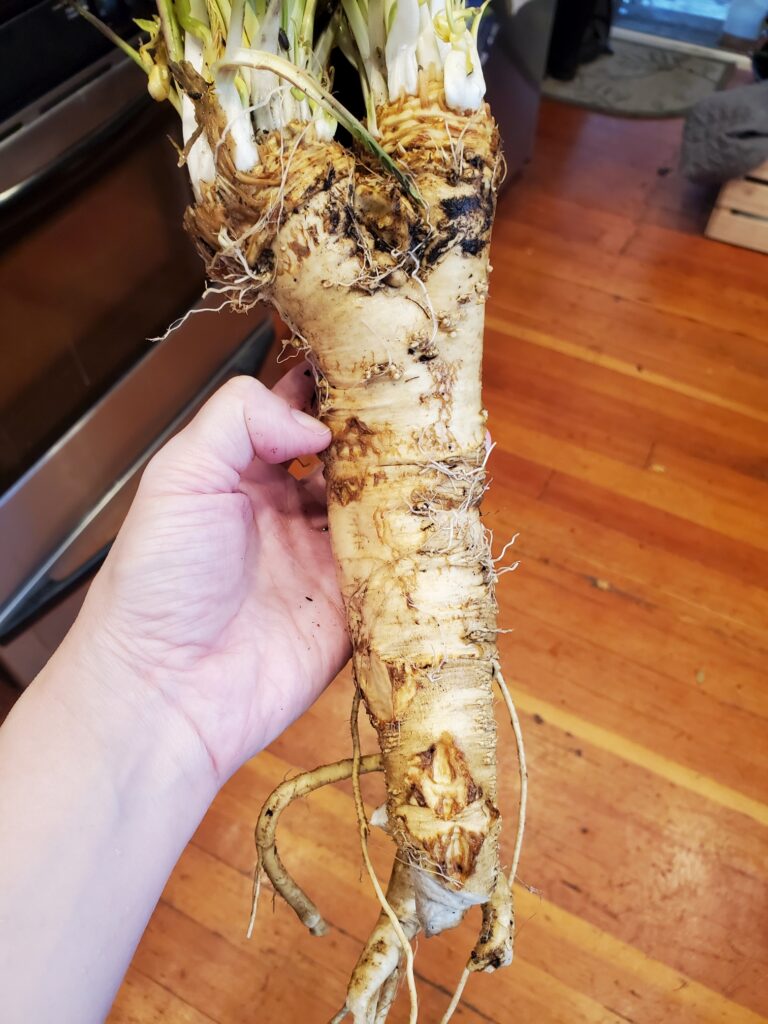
x: 745, y: 526
x: 143, y: 1000
x: 694, y: 426
x: 638, y: 368
x: 706, y: 299
x: 631, y: 986
x: 638, y: 860
x: 675, y: 344
x: 668, y: 528
x: 678, y: 722
x: 638, y: 560
x: 636, y: 629
x: 710, y: 477
x: 616, y: 742
x: 605, y: 425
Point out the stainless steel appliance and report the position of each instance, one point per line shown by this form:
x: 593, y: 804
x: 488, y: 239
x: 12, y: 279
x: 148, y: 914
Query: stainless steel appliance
x: 514, y: 41
x: 93, y: 263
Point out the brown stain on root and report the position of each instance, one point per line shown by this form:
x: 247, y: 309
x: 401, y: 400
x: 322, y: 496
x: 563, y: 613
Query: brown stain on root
x: 355, y: 440
x: 405, y: 680
x: 453, y: 853
x: 299, y: 248
x: 352, y: 442
x: 344, y: 490
x: 423, y: 349
x: 439, y: 778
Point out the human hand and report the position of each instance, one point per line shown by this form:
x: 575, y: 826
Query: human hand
x: 220, y: 592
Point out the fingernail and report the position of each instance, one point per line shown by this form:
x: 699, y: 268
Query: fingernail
x: 308, y: 422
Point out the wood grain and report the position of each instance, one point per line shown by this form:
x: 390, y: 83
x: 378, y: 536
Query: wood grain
x: 627, y: 376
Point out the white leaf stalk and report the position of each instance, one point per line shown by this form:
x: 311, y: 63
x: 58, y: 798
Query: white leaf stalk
x: 397, y: 42
x: 396, y: 45
x: 377, y: 35
x: 239, y: 126
x: 207, y: 34
x: 403, y: 29
x: 200, y: 161
x: 430, y: 49
x: 324, y: 121
x: 463, y: 79
x: 270, y: 106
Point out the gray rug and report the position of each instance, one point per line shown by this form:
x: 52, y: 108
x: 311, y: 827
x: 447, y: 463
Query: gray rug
x: 640, y: 80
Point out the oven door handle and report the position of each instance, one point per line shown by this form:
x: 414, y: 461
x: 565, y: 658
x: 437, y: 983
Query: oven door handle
x: 61, y: 140
x: 46, y: 593
x: 80, y: 553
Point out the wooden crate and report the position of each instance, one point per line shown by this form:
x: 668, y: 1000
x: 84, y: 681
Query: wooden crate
x: 740, y: 215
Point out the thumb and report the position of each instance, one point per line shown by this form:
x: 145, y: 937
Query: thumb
x: 243, y: 421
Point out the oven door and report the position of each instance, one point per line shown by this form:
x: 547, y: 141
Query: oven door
x: 94, y: 263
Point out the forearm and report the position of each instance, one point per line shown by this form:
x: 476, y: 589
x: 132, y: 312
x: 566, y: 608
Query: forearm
x: 101, y: 789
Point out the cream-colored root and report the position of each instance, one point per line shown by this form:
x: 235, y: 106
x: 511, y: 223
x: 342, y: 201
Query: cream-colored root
x: 367, y: 978
x: 374, y: 981
x: 521, y: 815
x: 387, y: 997
x: 405, y: 474
x: 268, y: 860
x: 522, y: 767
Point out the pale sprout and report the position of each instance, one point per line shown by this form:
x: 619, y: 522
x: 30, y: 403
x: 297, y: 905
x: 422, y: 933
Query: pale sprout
x: 402, y: 38
x: 463, y: 79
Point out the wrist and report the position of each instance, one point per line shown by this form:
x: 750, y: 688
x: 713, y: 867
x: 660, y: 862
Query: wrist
x: 145, y: 747
x: 104, y: 788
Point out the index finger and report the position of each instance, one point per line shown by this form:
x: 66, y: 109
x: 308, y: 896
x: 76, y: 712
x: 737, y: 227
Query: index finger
x: 243, y: 421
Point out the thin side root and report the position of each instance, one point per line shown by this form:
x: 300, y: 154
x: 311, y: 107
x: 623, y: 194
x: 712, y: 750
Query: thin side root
x: 476, y: 962
x: 523, y: 768
x: 458, y: 992
x: 268, y: 859
x: 362, y: 821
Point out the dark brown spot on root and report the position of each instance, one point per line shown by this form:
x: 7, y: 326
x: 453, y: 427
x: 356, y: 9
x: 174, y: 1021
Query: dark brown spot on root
x: 473, y: 246
x: 459, y: 206
x: 441, y: 777
x: 354, y: 439
x: 299, y: 249
x: 344, y: 491
x: 454, y: 853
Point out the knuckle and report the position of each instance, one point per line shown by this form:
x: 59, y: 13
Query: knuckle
x: 241, y: 388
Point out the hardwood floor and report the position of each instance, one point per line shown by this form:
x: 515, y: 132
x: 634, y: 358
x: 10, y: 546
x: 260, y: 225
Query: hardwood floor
x: 626, y: 378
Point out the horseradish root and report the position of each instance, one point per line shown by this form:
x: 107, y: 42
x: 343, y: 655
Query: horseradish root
x: 376, y: 257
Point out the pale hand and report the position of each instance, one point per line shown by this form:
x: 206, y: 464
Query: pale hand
x: 220, y: 591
